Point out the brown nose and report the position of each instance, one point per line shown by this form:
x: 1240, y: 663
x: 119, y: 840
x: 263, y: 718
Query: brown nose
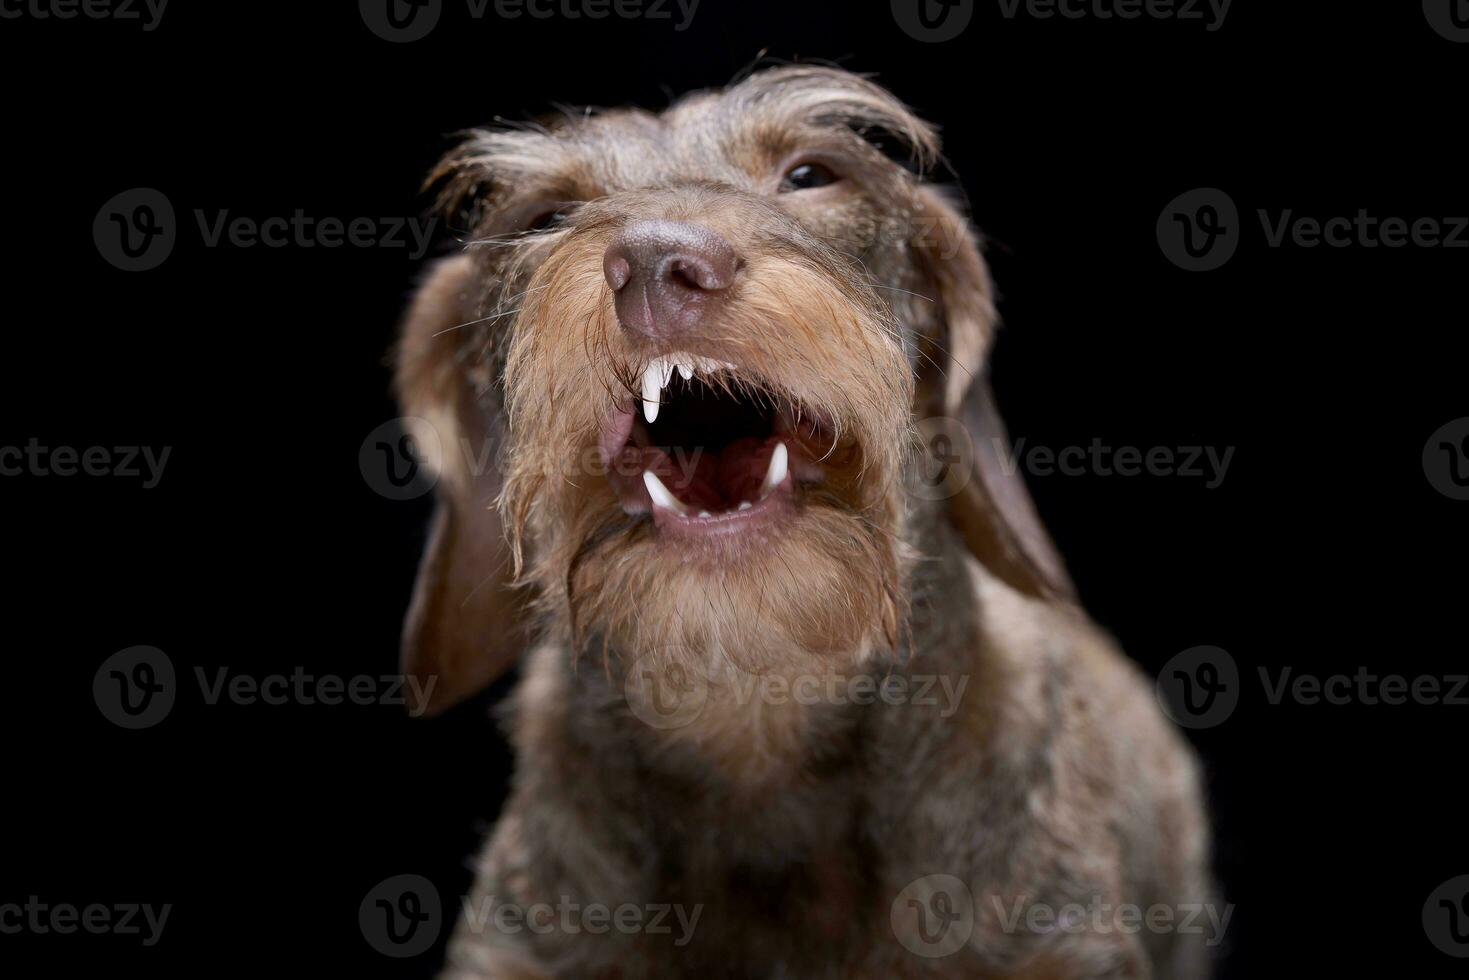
x: 667, y: 276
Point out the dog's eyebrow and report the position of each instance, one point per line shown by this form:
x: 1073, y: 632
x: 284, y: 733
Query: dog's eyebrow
x: 563, y: 151
x: 808, y: 95
x: 524, y: 159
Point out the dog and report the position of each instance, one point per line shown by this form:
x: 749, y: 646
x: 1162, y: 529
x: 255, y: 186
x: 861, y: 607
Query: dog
x: 741, y: 501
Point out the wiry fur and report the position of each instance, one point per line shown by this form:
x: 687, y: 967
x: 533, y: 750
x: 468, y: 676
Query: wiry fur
x: 795, y: 826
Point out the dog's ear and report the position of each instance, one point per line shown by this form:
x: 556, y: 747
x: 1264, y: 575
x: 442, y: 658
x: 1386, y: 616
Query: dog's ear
x: 466, y: 624
x: 992, y: 510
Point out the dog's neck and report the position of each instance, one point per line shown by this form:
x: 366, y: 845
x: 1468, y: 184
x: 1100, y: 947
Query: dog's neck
x: 763, y: 728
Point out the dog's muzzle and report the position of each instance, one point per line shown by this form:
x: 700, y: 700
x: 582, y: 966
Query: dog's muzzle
x: 668, y: 277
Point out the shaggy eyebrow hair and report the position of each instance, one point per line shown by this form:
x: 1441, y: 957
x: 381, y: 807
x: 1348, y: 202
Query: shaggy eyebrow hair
x: 535, y: 156
x: 824, y: 98
x: 488, y: 160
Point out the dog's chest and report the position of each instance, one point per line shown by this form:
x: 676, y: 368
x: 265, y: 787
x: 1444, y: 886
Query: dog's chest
x: 786, y: 892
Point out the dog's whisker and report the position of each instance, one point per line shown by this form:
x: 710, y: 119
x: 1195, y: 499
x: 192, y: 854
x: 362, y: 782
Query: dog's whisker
x: 896, y: 289
x: 484, y: 319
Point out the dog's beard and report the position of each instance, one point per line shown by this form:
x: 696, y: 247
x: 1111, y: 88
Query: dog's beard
x: 829, y: 587
x: 825, y: 578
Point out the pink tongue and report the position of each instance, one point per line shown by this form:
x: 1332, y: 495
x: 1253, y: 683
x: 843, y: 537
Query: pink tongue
x: 714, y: 481
x: 742, y: 468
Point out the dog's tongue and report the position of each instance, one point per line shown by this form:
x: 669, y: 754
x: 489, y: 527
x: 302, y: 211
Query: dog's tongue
x: 711, y: 481
x: 742, y: 467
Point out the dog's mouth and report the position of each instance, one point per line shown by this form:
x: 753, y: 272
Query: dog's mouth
x: 710, y: 448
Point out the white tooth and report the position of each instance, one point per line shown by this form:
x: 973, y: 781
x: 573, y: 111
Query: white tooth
x: 667, y: 371
x: 705, y: 513
x: 686, y: 368
x: 661, y: 495
x: 744, y: 505
x: 779, y: 467
x: 652, y: 386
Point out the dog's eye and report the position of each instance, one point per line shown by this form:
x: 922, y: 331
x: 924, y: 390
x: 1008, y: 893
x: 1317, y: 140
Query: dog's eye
x: 805, y: 177
x: 550, y: 218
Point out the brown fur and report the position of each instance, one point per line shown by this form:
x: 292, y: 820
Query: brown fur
x: 795, y: 826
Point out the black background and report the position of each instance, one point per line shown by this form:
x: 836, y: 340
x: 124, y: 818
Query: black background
x: 264, y: 550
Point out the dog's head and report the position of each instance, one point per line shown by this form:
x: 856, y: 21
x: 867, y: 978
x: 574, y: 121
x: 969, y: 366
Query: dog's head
x: 676, y: 375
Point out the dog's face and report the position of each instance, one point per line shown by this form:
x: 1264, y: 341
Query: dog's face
x: 698, y: 342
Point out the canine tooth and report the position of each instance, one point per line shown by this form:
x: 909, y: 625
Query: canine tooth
x: 744, y: 505
x: 652, y: 387
x: 779, y: 467
x: 662, y: 496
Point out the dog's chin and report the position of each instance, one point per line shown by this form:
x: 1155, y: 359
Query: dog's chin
x: 791, y: 578
x: 719, y: 462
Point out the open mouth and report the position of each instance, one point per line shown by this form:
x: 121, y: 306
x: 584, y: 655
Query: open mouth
x: 708, y: 448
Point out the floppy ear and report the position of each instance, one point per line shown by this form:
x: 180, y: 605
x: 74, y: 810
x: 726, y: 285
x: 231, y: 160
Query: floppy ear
x: 993, y: 510
x: 466, y: 624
